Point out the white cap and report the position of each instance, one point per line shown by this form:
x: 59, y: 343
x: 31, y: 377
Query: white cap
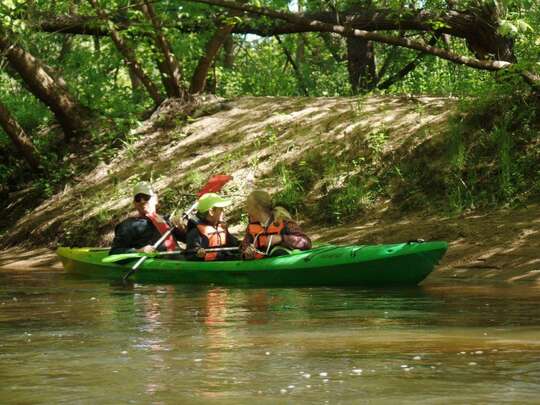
x: 143, y: 188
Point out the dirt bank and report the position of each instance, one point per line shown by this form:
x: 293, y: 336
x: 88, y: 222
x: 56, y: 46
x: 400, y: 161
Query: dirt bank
x: 496, y: 247
x: 20, y: 258
x: 330, y: 144
x: 499, y: 247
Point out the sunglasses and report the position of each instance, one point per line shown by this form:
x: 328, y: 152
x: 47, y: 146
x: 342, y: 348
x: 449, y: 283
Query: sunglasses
x: 142, y: 197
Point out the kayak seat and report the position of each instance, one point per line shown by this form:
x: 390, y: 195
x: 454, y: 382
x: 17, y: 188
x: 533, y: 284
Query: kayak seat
x: 280, y: 251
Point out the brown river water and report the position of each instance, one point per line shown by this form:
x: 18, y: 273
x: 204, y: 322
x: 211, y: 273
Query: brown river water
x: 65, y: 340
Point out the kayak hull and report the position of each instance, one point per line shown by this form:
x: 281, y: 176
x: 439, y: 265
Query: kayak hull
x: 402, y: 264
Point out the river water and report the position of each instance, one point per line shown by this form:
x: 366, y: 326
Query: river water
x: 66, y: 340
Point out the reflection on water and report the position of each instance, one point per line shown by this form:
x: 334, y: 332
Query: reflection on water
x: 66, y: 341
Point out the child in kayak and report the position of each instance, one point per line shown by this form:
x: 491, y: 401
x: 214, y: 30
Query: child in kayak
x: 207, y: 231
x: 270, y: 227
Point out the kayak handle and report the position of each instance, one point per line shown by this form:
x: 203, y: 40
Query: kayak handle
x: 356, y: 250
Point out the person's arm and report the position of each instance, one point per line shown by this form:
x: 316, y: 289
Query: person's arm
x: 246, y: 248
x: 247, y: 241
x: 194, y: 242
x: 232, y: 241
x: 294, y: 238
x: 180, y: 235
x: 180, y: 229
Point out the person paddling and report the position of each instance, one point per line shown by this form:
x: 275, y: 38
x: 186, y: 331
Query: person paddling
x: 269, y: 227
x: 208, y: 231
x: 138, y: 234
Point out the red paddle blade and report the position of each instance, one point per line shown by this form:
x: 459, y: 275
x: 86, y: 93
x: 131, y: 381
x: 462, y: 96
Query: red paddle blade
x: 215, y: 184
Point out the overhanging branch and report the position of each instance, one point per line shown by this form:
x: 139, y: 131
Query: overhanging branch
x: 347, y: 31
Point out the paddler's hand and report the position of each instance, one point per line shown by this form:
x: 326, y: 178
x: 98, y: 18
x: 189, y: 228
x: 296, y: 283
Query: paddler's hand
x: 249, y: 253
x: 201, y: 252
x: 179, y: 222
x: 147, y: 249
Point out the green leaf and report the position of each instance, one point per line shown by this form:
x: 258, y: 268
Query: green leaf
x: 522, y: 26
x: 507, y: 28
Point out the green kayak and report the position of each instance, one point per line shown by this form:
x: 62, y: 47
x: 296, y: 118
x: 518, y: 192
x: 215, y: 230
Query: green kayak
x: 327, y: 265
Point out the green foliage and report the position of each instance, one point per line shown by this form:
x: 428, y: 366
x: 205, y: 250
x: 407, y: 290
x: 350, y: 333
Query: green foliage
x: 291, y: 195
x: 261, y: 68
x: 493, y: 152
x: 343, y: 194
x: 346, y: 202
x: 376, y: 140
x: 504, y: 149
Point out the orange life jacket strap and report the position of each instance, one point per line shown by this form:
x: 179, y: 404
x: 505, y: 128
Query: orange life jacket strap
x: 261, y: 235
x: 217, y: 237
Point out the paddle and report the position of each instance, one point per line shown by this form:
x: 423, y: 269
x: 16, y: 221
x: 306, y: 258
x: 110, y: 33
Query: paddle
x: 135, y: 255
x: 213, y: 185
x: 138, y: 255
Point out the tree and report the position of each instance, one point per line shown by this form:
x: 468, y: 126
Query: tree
x: 169, y: 67
x: 129, y: 55
x: 20, y: 139
x: 478, y: 26
x: 213, y: 46
x: 49, y: 87
x: 349, y: 32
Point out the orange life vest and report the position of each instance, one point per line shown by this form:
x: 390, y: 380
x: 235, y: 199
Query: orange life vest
x: 261, y: 235
x: 217, y: 237
x: 162, y: 227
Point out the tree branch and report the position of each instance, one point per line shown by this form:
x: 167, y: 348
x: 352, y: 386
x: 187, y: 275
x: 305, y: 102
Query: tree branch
x: 409, y: 67
x: 298, y: 73
x: 347, y: 31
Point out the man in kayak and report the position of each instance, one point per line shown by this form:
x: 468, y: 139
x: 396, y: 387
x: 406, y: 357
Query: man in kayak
x: 207, y: 231
x: 138, y: 234
x: 270, y: 227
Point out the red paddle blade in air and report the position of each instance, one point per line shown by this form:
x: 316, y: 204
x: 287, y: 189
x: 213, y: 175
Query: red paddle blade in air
x: 215, y: 184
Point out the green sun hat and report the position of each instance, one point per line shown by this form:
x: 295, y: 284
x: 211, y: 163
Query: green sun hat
x: 211, y: 200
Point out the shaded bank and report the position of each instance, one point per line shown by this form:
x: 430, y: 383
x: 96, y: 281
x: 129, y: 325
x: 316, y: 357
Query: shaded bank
x: 354, y: 170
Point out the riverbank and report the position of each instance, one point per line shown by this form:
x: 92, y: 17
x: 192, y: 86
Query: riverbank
x: 352, y: 170
x: 494, y: 248
x: 498, y: 247
x: 28, y: 259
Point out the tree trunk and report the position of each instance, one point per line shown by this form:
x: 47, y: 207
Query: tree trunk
x: 49, y: 88
x: 20, y: 140
x: 169, y: 67
x: 97, y: 45
x: 129, y: 56
x: 297, y: 71
x: 137, y: 91
x: 485, y: 41
x: 198, y: 80
x: 228, y: 48
x: 67, y: 43
x: 300, y: 41
x: 361, y: 65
